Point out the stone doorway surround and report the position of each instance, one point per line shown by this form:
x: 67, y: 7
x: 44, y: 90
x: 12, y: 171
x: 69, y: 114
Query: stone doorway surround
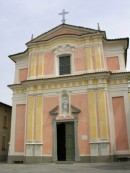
x: 75, y: 112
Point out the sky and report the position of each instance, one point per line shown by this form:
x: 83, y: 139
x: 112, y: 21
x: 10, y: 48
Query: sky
x: 19, y: 19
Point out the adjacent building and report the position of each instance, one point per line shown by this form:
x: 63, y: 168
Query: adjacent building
x: 70, y: 98
x: 5, y: 123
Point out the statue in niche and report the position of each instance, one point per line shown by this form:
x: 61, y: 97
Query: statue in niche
x: 65, y: 104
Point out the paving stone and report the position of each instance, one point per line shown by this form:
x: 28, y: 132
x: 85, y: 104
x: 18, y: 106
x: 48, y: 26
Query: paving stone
x: 120, y: 167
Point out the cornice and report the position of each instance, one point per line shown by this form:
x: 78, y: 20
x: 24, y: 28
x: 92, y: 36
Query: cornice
x: 118, y: 40
x: 118, y: 75
x: 103, y: 75
x: 61, y: 79
x: 65, y: 38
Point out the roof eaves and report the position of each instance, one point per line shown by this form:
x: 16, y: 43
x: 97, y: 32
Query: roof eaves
x: 119, y: 39
x: 17, y: 54
x: 20, y: 53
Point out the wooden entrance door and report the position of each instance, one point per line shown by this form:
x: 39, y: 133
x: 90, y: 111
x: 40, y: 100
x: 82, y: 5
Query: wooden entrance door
x: 70, y: 144
x: 65, y: 141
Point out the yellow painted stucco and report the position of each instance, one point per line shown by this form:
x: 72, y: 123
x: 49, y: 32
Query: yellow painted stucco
x: 38, y: 118
x: 92, y: 115
x: 40, y: 64
x: 32, y: 66
x: 97, y: 57
x: 91, y: 40
x: 102, y: 113
x: 60, y: 85
x: 95, y: 82
x: 121, y: 81
x: 56, y: 43
x: 86, y: 82
x: 97, y: 40
x: 43, y: 87
x: 36, y: 67
x: 35, y: 87
x: 30, y: 118
x: 89, y: 58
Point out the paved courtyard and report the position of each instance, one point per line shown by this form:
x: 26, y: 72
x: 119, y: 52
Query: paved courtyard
x: 120, y: 167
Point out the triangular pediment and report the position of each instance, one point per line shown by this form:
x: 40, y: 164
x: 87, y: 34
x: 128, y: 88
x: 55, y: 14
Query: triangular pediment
x: 63, y: 30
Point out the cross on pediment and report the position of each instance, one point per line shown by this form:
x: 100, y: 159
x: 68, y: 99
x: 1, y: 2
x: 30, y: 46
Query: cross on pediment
x: 63, y: 15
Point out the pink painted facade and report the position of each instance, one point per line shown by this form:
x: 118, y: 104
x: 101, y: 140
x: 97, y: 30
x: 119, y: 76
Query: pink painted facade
x: 49, y: 63
x: 83, y: 127
x: 23, y: 74
x: 121, y: 135
x: 20, y: 128
x: 48, y: 104
x: 113, y: 63
x: 70, y: 98
x: 79, y: 59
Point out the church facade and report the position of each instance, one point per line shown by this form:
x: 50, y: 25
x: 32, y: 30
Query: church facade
x: 70, y: 98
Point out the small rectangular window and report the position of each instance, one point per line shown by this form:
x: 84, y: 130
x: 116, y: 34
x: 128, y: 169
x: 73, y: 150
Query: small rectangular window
x: 3, y: 143
x: 64, y: 65
x: 5, y: 122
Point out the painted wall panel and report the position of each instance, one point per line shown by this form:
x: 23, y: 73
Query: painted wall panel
x: 92, y: 115
x: 121, y: 136
x: 102, y: 113
x: 81, y: 101
x: 79, y: 59
x: 40, y: 64
x: 30, y: 118
x: 113, y: 63
x: 32, y: 65
x: 38, y: 118
x: 97, y: 57
x: 20, y: 127
x: 89, y: 58
x: 49, y: 63
x: 48, y: 104
x: 23, y: 74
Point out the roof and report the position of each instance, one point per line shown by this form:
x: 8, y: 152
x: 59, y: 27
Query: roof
x: 1, y: 103
x: 80, y: 31
x: 20, y: 53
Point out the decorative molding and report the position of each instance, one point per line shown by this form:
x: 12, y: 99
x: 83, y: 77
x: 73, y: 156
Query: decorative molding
x: 63, y: 49
x: 54, y: 111
x: 34, y: 143
x: 75, y: 110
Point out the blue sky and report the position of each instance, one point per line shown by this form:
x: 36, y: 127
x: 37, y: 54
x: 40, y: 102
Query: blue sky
x: 19, y: 19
